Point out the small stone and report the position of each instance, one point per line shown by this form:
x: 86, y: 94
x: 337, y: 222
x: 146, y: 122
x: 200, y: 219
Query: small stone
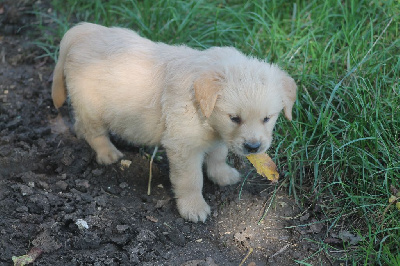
x: 166, y: 255
x: 145, y: 236
x: 162, y: 203
x: 62, y: 185
x: 28, y: 178
x: 43, y: 185
x: 38, y: 203
x: 22, y: 209
x: 25, y: 190
x: 179, y: 221
x: 101, y: 200
x: 152, y: 219
x: 82, y: 184
x: 316, y: 226
x: 113, y: 190
x: 146, y: 198
x: 86, y: 197
x: 82, y: 224
x: 68, y: 158
x: 14, y: 124
x: 121, y: 228
x: 42, y: 143
x: 120, y: 239
x: 68, y: 208
x: 97, y: 172
x: 88, y: 241
x: 186, y: 229
x: 305, y: 217
x: 46, y: 242
x: 177, y: 238
x: 123, y: 185
x: 297, y: 254
x: 349, y: 237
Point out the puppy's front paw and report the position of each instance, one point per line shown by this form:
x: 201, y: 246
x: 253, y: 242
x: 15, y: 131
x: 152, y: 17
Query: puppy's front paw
x: 108, y: 156
x: 223, y: 175
x: 193, y: 208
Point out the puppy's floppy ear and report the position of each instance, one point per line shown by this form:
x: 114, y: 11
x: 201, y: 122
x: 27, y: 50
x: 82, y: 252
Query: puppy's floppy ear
x: 207, y: 88
x: 289, y: 95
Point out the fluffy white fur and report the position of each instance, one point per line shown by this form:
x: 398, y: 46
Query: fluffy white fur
x: 197, y: 104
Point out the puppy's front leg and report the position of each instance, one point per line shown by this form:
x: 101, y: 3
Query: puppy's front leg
x: 218, y: 170
x: 187, y: 181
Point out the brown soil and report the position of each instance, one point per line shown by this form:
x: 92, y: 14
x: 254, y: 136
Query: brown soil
x: 49, y: 180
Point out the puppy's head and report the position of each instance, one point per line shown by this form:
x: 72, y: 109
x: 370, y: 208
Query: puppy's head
x: 242, y: 99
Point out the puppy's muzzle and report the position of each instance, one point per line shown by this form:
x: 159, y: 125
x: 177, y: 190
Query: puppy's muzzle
x: 252, y: 147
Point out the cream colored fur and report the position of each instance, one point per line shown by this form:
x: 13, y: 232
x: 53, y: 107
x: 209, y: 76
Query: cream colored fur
x: 197, y: 104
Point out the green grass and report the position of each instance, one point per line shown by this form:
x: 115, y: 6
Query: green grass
x: 342, y: 151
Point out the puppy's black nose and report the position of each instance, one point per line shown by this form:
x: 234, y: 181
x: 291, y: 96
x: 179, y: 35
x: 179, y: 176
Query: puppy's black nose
x: 252, y: 147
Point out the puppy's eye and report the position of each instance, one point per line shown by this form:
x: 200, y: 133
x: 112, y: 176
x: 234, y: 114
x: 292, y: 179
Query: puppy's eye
x: 266, y: 119
x: 235, y: 119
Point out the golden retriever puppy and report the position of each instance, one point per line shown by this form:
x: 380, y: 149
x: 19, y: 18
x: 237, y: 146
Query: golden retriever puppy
x: 196, y: 104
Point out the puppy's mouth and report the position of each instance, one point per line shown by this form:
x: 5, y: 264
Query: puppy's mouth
x: 249, y: 148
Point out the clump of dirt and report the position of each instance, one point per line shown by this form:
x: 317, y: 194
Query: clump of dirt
x: 55, y: 197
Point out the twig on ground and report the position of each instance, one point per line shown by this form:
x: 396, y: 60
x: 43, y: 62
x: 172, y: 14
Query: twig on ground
x: 247, y: 256
x: 285, y: 247
x: 150, y: 171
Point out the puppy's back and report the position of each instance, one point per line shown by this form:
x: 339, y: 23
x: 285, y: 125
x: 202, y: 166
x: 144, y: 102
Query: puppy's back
x: 71, y: 37
x: 83, y: 45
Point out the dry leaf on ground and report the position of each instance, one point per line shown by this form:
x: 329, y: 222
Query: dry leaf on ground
x: 28, y: 258
x: 264, y: 166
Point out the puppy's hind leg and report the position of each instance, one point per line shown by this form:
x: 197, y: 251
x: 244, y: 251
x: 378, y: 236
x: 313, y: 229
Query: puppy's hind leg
x: 106, y: 152
x: 218, y: 170
x: 97, y: 137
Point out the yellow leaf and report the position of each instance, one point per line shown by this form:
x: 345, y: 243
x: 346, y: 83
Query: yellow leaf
x: 392, y: 199
x: 28, y: 258
x: 398, y: 205
x: 264, y: 166
x: 22, y: 260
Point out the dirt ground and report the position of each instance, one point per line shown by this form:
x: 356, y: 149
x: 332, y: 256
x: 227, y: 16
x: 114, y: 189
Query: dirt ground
x: 54, y: 196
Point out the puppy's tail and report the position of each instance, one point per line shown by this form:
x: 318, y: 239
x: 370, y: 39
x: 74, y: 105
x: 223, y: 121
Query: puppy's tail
x: 58, y: 89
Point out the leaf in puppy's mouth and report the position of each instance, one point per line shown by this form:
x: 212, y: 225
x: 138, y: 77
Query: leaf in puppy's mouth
x: 264, y: 166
